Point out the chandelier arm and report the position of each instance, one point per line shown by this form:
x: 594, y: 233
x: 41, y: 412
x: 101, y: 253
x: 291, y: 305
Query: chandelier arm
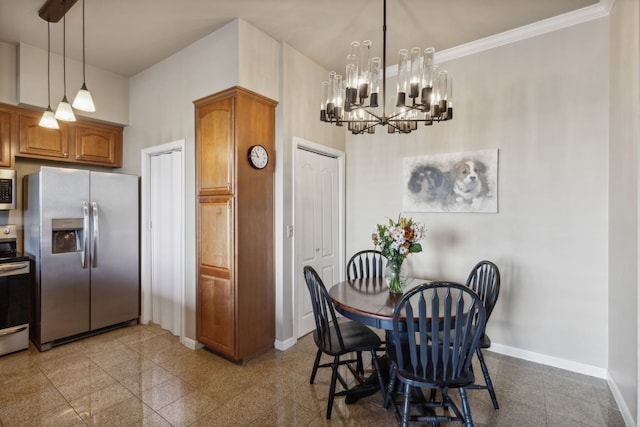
x: 384, y: 58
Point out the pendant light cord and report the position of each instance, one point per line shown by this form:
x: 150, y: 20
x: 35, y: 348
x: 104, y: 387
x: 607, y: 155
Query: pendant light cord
x: 84, y: 77
x: 49, y: 64
x: 64, y: 48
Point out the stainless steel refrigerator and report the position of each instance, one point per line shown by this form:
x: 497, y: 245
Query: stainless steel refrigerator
x: 82, y: 227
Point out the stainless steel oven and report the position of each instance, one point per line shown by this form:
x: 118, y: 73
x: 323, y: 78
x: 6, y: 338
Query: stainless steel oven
x: 15, y: 287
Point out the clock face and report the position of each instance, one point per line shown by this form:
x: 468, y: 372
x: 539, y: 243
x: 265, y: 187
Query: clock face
x: 258, y: 156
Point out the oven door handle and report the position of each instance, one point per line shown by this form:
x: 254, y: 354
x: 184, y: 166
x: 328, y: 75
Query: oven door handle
x: 15, y: 330
x: 85, y: 232
x: 12, y: 266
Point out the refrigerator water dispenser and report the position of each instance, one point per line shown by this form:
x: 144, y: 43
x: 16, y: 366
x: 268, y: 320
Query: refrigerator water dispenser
x: 66, y: 235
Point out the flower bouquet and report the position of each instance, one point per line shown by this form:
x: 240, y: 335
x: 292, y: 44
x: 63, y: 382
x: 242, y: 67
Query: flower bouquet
x: 396, y: 241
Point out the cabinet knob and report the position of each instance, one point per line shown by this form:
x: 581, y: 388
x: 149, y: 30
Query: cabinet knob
x: 77, y: 156
x: 65, y: 154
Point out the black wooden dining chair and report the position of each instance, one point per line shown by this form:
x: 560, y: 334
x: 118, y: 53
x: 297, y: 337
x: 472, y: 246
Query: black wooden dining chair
x: 367, y: 263
x: 337, y: 339
x: 421, y: 357
x: 484, y: 279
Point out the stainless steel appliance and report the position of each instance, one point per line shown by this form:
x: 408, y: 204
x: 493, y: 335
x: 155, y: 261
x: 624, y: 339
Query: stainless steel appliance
x: 82, y: 228
x: 7, y: 189
x: 15, y: 285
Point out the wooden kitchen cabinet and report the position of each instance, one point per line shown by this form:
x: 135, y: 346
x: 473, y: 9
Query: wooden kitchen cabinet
x: 42, y: 142
x: 98, y: 144
x: 7, y: 134
x: 235, y: 297
x: 77, y: 142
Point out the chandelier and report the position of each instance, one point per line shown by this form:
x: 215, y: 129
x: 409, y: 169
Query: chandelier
x: 423, y: 90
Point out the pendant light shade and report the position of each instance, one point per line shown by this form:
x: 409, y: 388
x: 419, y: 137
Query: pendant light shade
x: 83, y: 100
x: 48, y: 119
x: 64, y: 111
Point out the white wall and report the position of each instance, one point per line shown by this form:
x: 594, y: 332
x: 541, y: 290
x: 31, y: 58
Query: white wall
x: 162, y: 110
x: 299, y: 115
x: 8, y: 73
x: 543, y: 102
x: 623, y: 205
x: 110, y: 91
x: 23, y: 80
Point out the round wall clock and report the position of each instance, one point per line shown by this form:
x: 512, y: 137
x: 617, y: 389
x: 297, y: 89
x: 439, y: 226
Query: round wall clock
x: 258, y: 156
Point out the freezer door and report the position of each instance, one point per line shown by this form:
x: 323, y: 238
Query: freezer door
x: 64, y: 283
x: 115, y: 283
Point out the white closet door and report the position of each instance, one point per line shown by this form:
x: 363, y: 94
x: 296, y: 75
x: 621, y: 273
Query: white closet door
x: 166, y: 222
x: 316, y: 227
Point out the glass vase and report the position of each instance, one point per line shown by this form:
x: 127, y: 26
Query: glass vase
x: 395, y: 274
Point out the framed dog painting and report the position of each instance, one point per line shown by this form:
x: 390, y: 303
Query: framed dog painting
x: 452, y: 182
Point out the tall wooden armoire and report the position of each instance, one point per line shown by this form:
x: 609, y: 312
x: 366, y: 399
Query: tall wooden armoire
x: 235, y: 301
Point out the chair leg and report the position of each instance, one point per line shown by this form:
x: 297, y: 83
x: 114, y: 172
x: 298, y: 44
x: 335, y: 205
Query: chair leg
x: 392, y: 384
x: 468, y: 422
x: 332, y: 387
x: 359, y: 363
x: 487, y: 379
x: 376, y: 365
x: 405, y: 407
x: 314, y: 371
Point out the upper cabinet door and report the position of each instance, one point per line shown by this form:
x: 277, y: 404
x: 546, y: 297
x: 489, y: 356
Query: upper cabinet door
x: 40, y: 141
x: 6, y: 135
x: 98, y: 145
x: 215, y: 139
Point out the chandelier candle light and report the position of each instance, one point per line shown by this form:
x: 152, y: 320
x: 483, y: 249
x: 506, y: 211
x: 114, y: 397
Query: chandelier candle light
x: 424, y: 93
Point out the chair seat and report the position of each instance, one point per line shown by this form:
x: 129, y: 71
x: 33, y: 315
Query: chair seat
x: 355, y: 336
x: 430, y: 379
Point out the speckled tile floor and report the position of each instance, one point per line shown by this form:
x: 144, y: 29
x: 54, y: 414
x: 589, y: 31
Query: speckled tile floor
x: 142, y: 376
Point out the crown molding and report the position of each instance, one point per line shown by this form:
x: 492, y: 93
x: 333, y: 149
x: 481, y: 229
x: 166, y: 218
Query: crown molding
x: 555, y: 23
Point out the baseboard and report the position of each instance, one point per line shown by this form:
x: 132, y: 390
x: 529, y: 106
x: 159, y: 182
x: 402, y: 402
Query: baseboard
x: 557, y: 362
x: 622, y: 406
x: 284, y: 345
x: 191, y: 344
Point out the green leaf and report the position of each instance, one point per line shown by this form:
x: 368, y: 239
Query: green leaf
x: 415, y: 247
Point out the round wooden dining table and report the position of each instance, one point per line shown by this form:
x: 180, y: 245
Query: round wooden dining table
x: 368, y: 300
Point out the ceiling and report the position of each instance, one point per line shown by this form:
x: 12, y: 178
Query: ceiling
x: 127, y: 36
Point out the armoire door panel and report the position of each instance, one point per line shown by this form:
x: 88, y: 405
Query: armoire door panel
x: 215, y: 141
x: 216, y: 233
x: 216, y: 315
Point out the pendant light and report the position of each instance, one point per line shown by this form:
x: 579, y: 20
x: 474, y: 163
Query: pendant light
x: 48, y: 119
x: 64, y: 111
x: 84, y: 101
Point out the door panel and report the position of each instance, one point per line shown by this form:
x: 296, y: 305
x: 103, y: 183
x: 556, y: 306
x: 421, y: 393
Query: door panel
x: 316, y: 219
x: 64, y: 283
x: 114, y: 267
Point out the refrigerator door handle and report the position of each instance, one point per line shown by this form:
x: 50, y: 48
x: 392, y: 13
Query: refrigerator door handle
x: 95, y: 235
x: 85, y: 232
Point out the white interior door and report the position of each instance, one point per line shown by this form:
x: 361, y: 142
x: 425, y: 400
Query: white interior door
x: 163, y: 237
x: 317, y: 241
